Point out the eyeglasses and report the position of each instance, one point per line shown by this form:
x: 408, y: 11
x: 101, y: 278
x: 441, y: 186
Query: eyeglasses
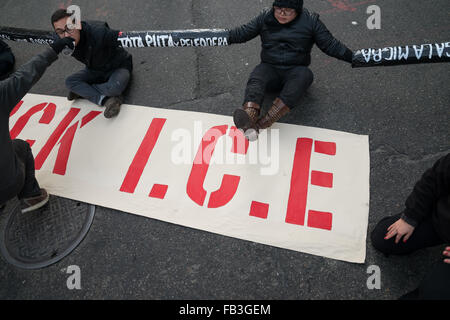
x: 61, y: 32
x: 284, y: 11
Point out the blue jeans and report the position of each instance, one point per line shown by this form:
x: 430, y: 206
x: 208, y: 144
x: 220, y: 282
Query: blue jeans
x: 95, y: 86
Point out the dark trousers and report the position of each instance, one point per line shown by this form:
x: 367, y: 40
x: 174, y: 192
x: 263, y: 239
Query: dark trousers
x: 436, y: 284
x: 95, y: 86
x: 27, y: 185
x: 292, y: 82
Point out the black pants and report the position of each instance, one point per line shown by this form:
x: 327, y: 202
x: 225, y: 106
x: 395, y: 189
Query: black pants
x: 291, y: 81
x: 27, y: 185
x: 436, y: 284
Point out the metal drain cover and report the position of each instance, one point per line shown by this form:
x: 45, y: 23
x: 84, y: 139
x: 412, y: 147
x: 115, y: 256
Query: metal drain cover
x: 35, y: 240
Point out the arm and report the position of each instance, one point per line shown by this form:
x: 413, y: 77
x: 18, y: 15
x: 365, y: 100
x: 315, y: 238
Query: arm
x: 13, y: 89
x: 247, y: 31
x: 329, y: 44
x: 434, y: 184
x: 111, y: 38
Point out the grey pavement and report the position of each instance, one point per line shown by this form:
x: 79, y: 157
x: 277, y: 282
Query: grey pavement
x: 403, y: 109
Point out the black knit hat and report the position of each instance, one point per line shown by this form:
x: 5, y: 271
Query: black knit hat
x: 294, y: 4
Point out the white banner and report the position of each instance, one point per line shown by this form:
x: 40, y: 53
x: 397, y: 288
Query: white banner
x: 299, y: 188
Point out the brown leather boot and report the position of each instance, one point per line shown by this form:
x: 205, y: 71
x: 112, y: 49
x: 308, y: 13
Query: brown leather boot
x: 246, y: 117
x: 275, y: 113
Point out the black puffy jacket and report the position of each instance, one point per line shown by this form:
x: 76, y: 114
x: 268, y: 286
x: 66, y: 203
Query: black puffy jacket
x: 290, y: 44
x: 99, y: 49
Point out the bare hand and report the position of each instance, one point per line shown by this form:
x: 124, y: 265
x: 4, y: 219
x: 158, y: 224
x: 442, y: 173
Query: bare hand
x: 399, y: 229
x: 447, y: 254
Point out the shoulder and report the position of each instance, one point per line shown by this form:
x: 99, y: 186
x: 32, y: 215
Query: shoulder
x: 309, y: 15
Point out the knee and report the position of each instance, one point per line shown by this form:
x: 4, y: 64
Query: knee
x: 305, y: 75
x: 71, y: 81
x: 377, y: 238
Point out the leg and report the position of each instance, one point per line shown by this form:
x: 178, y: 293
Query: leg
x: 31, y: 186
x: 81, y: 82
x: 246, y: 118
x: 112, y: 90
x: 424, y: 236
x: 295, y: 83
x: 435, y: 285
x: 116, y: 84
x: 32, y: 196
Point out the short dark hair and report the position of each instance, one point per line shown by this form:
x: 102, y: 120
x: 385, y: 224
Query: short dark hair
x: 60, y: 14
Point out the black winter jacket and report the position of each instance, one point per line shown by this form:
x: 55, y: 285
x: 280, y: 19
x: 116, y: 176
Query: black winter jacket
x: 99, y: 49
x: 12, y: 90
x: 430, y: 199
x: 290, y: 44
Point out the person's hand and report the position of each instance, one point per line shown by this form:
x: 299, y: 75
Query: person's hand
x: 60, y: 44
x: 447, y: 254
x: 399, y: 229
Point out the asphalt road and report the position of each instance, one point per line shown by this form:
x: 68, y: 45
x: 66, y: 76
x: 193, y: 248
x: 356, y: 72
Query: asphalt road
x: 403, y: 109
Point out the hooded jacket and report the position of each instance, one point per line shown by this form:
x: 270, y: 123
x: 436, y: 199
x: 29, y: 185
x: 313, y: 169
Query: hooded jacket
x: 290, y: 44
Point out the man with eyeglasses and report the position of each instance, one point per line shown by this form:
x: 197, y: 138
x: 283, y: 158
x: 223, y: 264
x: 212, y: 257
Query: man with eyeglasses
x: 108, y: 66
x: 288, y: 33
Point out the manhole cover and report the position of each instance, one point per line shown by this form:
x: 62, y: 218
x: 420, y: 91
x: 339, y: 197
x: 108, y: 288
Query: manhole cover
x: 35, y: 240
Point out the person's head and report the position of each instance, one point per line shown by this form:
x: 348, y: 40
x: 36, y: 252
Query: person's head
x: 287, y: 10
x: 60, y: 19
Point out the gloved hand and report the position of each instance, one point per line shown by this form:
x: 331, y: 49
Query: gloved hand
x: 60, y: 44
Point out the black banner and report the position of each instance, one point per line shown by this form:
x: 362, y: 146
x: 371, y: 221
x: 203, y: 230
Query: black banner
x: 27, y: 35
x: 413, y: 54
x: 180, y: 38
x: 133, y: 39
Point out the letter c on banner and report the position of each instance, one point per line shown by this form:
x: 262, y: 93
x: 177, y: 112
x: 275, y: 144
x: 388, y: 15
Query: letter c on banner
x: 230, y: 183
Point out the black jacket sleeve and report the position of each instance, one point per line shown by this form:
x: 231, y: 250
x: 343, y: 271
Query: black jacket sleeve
x: 13, y: 89
x: 247, y: 31
x: 329, y: 44
x: 434, y: 184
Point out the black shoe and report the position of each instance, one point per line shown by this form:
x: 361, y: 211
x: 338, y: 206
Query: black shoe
x: 72, y: 96
x: 112, y: 106
x: 34, y: 203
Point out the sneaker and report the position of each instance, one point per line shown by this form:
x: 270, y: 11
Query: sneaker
x: 34, y: 203
x: 72, y: 96
x: 112, y: 106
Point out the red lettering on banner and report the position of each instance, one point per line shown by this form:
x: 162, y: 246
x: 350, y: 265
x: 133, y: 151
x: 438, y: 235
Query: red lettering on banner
x: 320, y: 220
x: 16, y: 108
x: 259, y: 210
x: 66, y: 143
x: 328, y: 148
x: 240, y: 143
x: 299, y: 182
x: 197, y: 177
x: 158, y: 191
x: 51, y: 142
x: 143, y: 154
x: 46, y: 118
x: 296, y: 210
x: 64, y: 150
x: 89, y: 117
x: 322, y: 179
